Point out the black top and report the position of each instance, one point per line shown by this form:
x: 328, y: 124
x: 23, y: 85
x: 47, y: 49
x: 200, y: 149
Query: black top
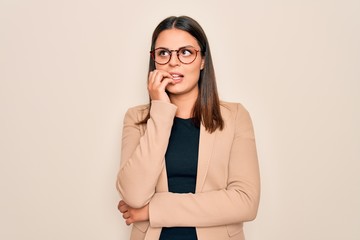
x: 181, y: 160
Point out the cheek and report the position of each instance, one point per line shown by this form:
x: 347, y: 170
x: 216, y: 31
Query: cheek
x: 195, y: 70
x: 193, y: 74
x: 159, y: 67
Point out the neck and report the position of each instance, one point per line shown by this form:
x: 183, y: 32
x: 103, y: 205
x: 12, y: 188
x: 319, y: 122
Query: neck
x: 185, y: 104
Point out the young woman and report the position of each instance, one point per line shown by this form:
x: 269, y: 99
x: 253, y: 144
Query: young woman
x: 189, y: 167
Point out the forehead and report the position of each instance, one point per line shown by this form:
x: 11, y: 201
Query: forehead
x: 175, y: 38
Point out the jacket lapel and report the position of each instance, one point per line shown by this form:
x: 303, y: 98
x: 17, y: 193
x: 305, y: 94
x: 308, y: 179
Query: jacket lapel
x: 206, y: 146
x: 162, y: 184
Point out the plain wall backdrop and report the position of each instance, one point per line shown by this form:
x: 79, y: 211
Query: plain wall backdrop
x: 69, y: 69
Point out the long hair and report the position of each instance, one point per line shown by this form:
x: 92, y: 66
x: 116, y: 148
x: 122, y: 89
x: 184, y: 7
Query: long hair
x: 206, y: 109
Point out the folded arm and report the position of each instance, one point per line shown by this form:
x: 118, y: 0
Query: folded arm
x: 237, y: 202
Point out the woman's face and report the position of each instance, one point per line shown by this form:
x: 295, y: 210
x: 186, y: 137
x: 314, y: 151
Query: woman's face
x: 185, y: 76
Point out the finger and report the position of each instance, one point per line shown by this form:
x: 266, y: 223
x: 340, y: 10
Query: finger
x: 160, y: 85
x: 158, y: 92
x: 126, y: 215
x: 158, y: 76
x: 164, y: 83
x: 121, y: 203
x: 123, y: 208
x: 150, y: 76
x: 129, y: 221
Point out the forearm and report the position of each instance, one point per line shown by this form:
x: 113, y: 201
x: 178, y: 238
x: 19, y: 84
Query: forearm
x: 207, y: 209
x: 142, y: 157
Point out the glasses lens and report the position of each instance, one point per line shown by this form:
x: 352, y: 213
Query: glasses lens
x: 187, y: 55
x: 161, y: 55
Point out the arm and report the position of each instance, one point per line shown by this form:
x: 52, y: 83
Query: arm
x: 142, y: 156
x: 238, y: 202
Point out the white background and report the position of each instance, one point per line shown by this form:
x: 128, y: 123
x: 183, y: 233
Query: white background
x: 69, y: 69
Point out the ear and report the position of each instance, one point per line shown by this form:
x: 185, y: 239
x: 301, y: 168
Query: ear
x: 202, y: 64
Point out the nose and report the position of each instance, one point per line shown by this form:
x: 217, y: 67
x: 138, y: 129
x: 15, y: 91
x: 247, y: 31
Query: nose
x: 174, y: 60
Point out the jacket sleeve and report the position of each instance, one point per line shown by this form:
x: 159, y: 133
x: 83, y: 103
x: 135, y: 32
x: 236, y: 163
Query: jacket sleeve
x: 142, y: 156
x: 238, y: 202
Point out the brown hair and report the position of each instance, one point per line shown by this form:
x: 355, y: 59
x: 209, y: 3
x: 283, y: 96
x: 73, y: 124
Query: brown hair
x: 207, y: 106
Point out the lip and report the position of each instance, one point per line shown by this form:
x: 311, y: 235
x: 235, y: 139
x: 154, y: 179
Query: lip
x: 176, y: 75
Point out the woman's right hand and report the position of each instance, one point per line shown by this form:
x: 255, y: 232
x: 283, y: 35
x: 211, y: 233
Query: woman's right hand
x: 158, y: 80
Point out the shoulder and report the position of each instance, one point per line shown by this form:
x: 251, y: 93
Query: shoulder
x: 229, y: 109
x: 235, y: 114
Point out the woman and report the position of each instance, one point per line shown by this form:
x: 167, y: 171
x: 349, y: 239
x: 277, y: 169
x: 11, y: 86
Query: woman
x: 189, y: 166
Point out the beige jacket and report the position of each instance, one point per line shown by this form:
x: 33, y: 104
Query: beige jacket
x: 228, y: 182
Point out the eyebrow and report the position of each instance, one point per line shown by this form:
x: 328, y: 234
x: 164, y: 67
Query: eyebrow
x: 176, y: 49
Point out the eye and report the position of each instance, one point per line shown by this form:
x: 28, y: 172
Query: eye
x: 186, y: 52
x: 162, y: 53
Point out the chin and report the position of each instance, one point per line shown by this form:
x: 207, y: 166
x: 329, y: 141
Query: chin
x: 173, y: 89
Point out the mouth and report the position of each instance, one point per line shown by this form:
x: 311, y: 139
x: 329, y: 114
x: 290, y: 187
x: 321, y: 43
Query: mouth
x: 176, y: 76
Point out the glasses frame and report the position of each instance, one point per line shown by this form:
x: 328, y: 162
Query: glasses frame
x: 152, y: 53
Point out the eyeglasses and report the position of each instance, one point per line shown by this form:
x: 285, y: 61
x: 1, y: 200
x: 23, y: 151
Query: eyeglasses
x: 185, y: 55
